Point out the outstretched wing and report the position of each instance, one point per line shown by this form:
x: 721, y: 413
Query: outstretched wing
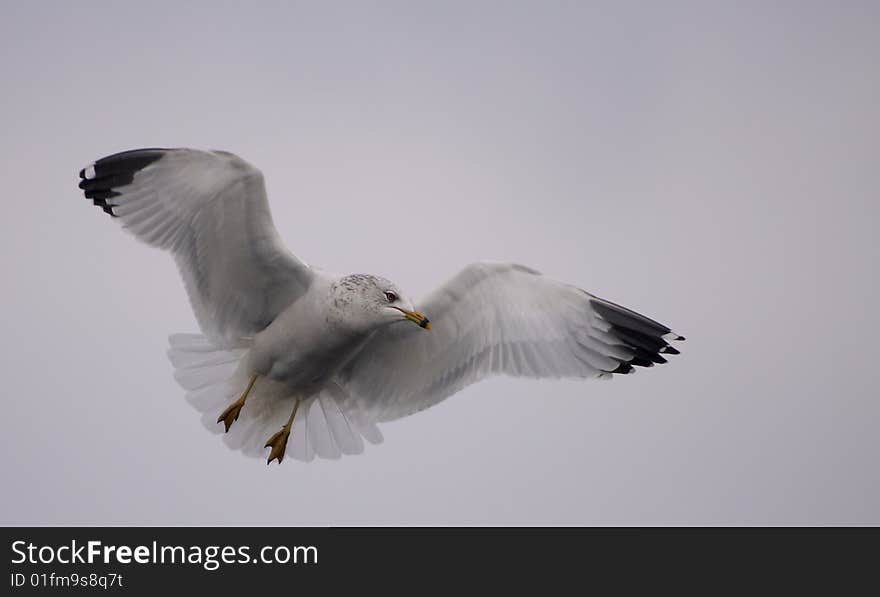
x: 495, y: 318
x: 209, y: 209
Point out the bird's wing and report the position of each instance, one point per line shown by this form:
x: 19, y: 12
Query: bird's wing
x: 495, y: 318
x: 209, y: 209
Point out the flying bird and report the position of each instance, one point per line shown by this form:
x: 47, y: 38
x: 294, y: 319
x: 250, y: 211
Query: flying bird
x: 295, y: 360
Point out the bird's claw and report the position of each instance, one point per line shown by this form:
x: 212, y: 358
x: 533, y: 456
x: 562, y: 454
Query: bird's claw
x: 230, y: 415
x: 278, y: 443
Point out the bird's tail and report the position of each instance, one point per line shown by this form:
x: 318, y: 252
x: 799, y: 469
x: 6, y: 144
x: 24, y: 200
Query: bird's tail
x: 326, y: 425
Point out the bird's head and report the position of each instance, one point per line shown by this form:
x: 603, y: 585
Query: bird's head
x: 365, y: 302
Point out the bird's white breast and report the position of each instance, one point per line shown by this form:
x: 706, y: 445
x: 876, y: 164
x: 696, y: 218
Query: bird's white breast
x: 304, y: 346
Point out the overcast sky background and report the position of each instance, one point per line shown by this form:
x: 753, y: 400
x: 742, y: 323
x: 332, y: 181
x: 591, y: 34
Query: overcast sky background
x: 711, y: 164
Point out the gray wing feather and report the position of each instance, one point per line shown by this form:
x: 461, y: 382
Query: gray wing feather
x: 497, y: 318
x: 209, y: 209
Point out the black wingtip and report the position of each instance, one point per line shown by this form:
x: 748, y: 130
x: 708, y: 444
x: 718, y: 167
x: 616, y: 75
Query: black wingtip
x: 623, y: 369
x: 644, y: 338
x: 658, y: 359
x: 103, y: 179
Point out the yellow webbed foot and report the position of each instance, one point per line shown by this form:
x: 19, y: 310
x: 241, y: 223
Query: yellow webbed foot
x: 230, y: 415
x: 278, y: 443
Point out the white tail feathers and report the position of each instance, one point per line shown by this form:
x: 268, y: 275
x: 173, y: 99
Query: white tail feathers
x: 327, y: 425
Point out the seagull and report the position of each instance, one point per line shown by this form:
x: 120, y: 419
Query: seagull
x: 321, y: 358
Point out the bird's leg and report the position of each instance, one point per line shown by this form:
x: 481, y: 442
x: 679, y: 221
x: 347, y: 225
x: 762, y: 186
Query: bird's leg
x: 278, y: 442
x: 230, y: 415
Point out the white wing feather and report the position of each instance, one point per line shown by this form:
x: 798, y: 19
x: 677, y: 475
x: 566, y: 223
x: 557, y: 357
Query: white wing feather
x: 497, y: 318
x: 209, y: 209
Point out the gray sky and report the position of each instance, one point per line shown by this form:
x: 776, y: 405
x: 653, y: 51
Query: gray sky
x: 710, y: 164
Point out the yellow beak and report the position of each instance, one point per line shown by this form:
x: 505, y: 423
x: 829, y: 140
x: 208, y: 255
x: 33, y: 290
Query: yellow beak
x: 417, y: 318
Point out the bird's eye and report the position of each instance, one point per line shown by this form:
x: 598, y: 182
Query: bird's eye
x: 390, y: 296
